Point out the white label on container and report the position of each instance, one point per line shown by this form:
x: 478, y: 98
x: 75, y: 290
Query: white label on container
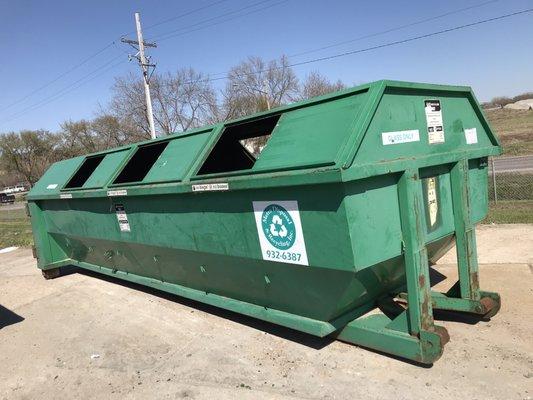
x: 65, y: 196
x: 280, y: 231
x: 432, y: 200
x: 471, y: 136
x: 122, y: 218
x: 400, y: 137
x: 113, y: 193
x: 210, y: 187
x: 434, y: 123
x: 51, y: 186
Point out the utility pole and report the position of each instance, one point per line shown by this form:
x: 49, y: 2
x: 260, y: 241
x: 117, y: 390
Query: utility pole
x: 144, y: 63
x: 265, y: 92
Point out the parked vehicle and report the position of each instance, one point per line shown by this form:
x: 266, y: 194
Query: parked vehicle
x: 19, y: 189
x: 14, y: 189
x: 7, y: 198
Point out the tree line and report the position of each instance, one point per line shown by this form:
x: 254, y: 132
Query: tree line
x: 182, y: 100
x: 502, y: 101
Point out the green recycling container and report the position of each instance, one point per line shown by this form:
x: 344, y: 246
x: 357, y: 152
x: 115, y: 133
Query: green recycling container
x: 329, y: 228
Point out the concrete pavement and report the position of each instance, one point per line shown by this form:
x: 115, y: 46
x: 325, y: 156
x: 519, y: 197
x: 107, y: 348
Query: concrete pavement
x: 82, y: 336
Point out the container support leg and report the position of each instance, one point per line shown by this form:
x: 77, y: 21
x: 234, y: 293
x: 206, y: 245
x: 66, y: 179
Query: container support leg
x: 465, y: 295
x: 415, y: 253
x: 411, y: 333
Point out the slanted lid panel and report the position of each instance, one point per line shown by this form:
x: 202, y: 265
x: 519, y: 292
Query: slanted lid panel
x: 55, y: 177
x: 311, y: 136
x: 102, y: 174
x: 177, y: 158
x: 411, y: 122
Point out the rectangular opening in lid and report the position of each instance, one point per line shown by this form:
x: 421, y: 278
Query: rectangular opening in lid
x: 141, y: 162
x: 84, y: 172
x: 239, y: 146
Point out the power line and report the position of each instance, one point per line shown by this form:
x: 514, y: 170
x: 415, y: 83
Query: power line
x: 67, y: 89
x: 382, y: 32
x: 74, y: 86
x: 182, y: 15
x: 397, y: 42
x: 384, y: 45
x: 184, y: 30
x: 394, y: 29
x: 100, y: 51
x: 73, y: 68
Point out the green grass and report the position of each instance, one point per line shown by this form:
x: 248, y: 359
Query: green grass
x: 15, y: 228
x: 510, y: 212
x: 514, y: 129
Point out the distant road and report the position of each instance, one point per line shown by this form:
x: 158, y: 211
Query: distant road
x: 513, y: 164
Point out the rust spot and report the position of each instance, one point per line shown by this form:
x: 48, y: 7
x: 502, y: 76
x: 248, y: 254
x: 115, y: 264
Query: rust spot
x: 426, y: 317
x: 443, y: 334
x: 421, y: 280
x: 488, y: 304
x: 474, y: 281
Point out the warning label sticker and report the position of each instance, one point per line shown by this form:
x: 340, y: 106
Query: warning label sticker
x: 210, y: 187
x: 433, y: 206
x: 280, y: 231
x: 434, y: 123
x: 122, y: 218
x: 471, y: 136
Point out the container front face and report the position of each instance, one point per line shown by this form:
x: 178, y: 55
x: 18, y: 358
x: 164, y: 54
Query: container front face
x: 211, y: 242
x: 373, y: 212
x: 414, y: 124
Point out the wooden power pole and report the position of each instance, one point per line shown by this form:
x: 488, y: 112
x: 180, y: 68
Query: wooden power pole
x: 144, y: 63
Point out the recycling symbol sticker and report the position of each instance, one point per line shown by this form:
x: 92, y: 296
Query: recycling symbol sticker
x: 278, y: 227
x: 279, y: 231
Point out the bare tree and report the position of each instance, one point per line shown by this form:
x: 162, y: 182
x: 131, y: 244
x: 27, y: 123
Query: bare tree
x: 181, y: 101
x: 254, y: 85
x: 317, y: 85
x: 128, y: 104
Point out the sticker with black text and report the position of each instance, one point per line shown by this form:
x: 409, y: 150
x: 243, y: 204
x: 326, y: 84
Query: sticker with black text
x: 122, y: 218
x: 280, y: 231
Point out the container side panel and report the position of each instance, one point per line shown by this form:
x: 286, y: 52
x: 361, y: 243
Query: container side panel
x: 312, y: 135
x: 48, y: 250
x: 102, y: 174
x: 220, y: 223
x: 374, y: 219
x: 478, y: 189
x: 436, y: 190
x: 177, y: 158
x: 55, y: 177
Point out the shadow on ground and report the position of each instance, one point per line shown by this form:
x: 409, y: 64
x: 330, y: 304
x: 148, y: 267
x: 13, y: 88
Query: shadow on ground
x: 314, y: 342
x: 257, y: 324
x: 8, y: 317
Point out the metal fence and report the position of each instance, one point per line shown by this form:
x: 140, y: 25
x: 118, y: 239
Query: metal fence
x: 511, y: 178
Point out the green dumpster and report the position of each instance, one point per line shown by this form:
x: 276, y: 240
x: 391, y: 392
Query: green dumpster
x: 328, y: 229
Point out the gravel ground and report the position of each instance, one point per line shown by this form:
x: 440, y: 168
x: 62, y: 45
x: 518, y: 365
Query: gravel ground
x: 83, y: 336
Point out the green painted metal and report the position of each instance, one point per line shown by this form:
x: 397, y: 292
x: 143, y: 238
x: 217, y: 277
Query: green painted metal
x: 372, y: 213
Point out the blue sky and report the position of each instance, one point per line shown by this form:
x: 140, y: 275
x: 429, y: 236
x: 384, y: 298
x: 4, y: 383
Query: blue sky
x: 41, y: 40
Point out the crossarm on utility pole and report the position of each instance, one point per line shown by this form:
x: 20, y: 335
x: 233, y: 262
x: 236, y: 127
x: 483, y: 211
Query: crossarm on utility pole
x: 140, y: 44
